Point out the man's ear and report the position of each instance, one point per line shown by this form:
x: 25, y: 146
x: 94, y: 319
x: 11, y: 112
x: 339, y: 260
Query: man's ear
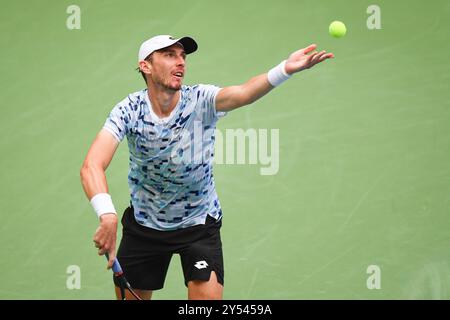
x: 145, y: 67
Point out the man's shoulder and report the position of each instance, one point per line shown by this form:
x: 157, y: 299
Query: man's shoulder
x: 133, y: 100
x: 199, y: 86
x: 201, y: 89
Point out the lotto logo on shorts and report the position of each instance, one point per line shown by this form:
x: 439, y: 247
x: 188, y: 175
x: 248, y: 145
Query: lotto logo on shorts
x: 201, y: 264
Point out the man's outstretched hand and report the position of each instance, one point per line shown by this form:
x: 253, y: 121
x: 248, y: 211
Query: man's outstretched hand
x: 305, y: 58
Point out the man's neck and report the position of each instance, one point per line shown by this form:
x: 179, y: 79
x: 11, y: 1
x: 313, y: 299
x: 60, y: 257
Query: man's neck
x: 163, y: 101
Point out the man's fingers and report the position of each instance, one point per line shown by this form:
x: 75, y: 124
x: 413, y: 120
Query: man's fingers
x: 316, y: 58
x: 97, y: 244
x: 312, y: 55
x: 326, y: 56
x: 312, y: 59
x: 112, y: 257
x: 309, y: 48
x: 105, y: 240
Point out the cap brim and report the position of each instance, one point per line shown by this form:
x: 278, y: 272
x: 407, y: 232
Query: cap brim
x: 188, y: 44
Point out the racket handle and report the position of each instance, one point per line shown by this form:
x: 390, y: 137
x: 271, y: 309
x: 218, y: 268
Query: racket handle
x: 116, y: 265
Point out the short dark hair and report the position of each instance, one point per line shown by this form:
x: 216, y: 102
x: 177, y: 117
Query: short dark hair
x: 143, y: 75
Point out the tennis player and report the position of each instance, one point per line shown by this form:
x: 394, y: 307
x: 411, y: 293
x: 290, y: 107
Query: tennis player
x: 174, y: 207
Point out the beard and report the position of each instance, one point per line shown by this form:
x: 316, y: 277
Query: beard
x: 166, y: 83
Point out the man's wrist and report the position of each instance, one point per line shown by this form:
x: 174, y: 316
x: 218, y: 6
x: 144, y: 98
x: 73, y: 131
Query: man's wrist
x: 107, y: 217
x: 277, y: 75
x: 102, y: 204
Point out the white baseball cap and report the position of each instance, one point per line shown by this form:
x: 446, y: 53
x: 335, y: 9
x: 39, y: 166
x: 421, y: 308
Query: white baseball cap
x: 163, y: 41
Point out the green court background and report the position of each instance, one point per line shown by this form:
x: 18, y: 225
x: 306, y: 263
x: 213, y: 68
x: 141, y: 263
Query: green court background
x: 364, y: 144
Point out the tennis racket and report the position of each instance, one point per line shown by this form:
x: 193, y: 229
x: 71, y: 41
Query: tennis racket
x: 123, y: 282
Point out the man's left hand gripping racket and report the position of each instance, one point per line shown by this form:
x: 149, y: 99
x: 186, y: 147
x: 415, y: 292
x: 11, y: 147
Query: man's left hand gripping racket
x: 123, y: 283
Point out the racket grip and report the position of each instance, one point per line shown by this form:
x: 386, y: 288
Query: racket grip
x: 116, y: 265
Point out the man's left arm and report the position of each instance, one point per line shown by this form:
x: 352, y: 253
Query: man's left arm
x: 230, y: 98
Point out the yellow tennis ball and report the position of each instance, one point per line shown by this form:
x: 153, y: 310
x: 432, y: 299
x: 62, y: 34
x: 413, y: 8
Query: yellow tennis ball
x: 337, y: 29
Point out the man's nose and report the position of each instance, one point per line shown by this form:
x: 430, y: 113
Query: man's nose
x: 180, y: 61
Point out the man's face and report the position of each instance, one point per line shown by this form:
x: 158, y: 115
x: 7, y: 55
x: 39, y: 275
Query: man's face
x: 168, y: 67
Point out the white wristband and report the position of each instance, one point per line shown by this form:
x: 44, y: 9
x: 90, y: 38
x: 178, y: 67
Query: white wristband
x: 102, y: 204
x: 277, y: 75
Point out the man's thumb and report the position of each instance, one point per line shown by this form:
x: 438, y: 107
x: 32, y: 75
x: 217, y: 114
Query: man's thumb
x: 111, y: 257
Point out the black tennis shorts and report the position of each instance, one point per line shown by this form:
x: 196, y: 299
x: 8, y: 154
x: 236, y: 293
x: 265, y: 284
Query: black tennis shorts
x: 145, y: 253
